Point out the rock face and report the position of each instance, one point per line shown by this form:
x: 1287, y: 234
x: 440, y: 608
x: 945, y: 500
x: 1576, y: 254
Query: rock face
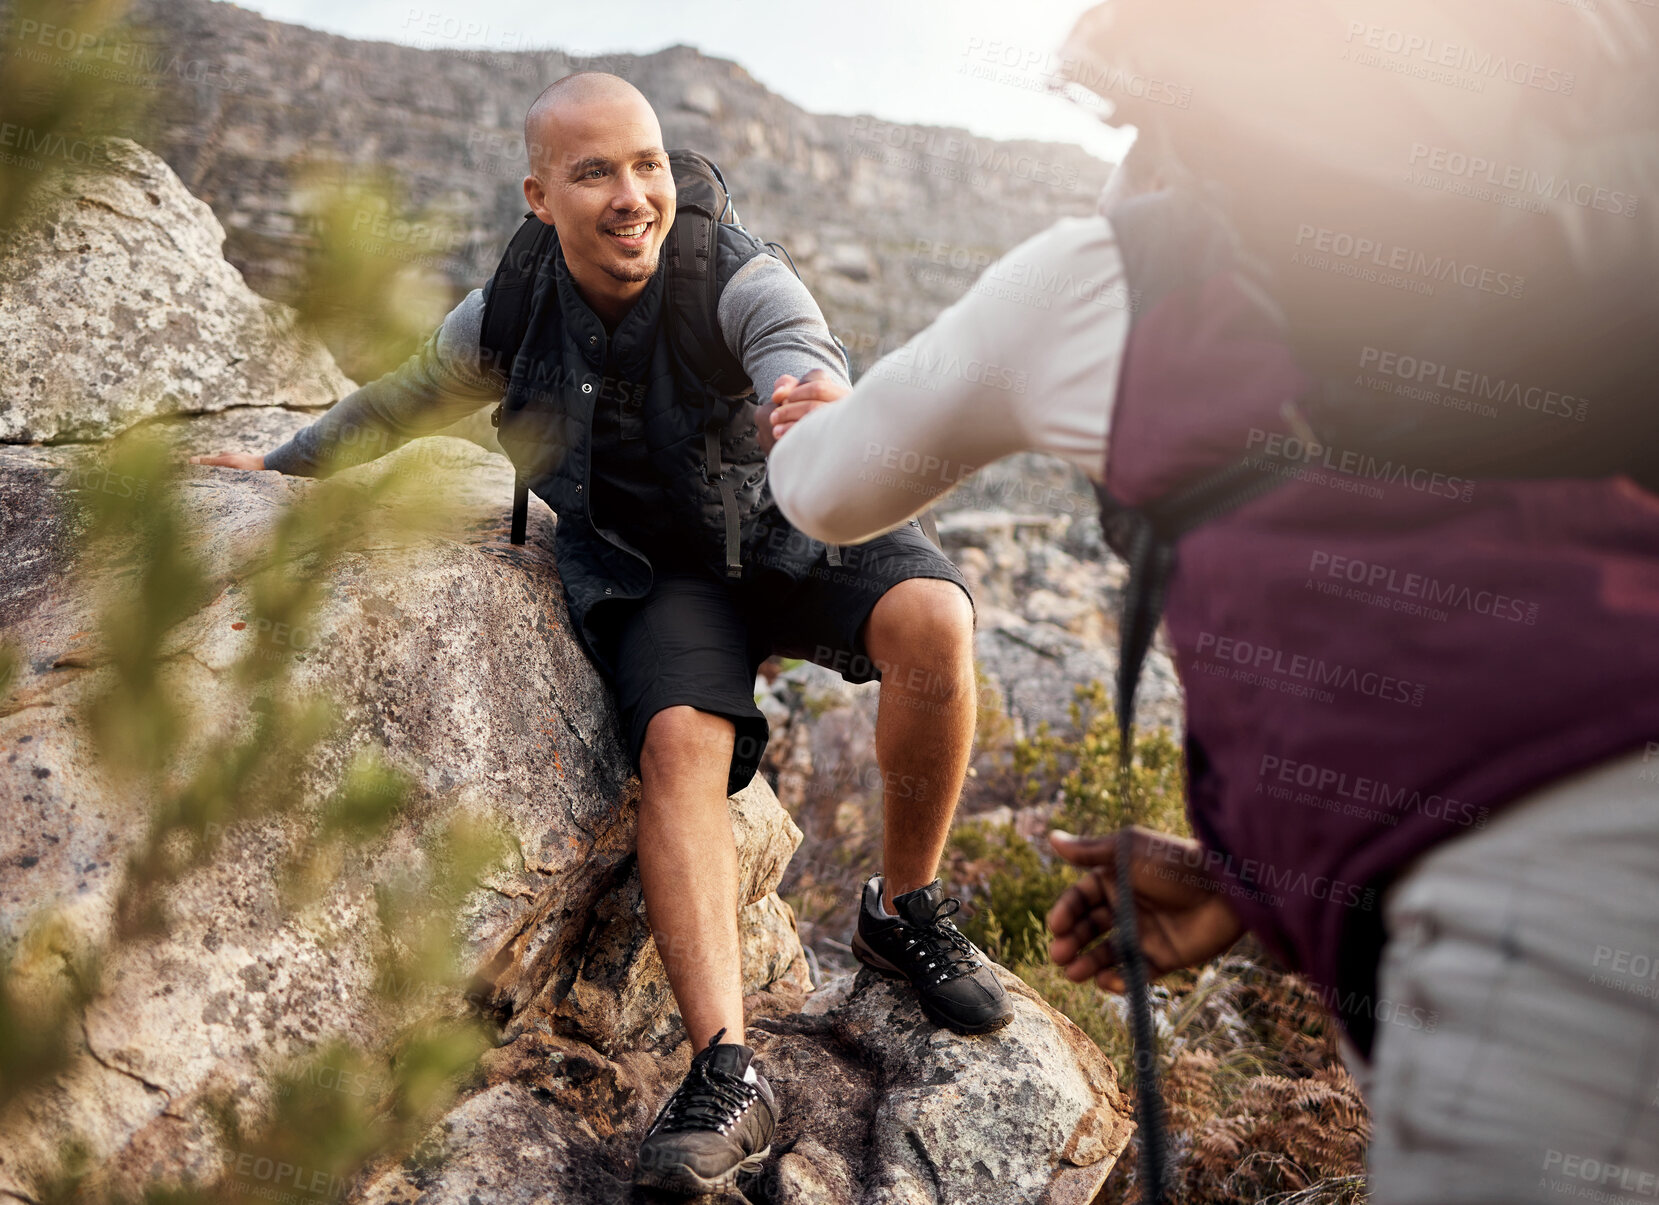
x: 877, y: 1108
x: 454, y: 658
x: 887, y: 223
x: 451, y: 655
x: 118, y: 283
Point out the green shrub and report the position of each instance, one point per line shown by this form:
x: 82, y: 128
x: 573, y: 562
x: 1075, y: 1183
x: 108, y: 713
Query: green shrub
x: 1017, y: 881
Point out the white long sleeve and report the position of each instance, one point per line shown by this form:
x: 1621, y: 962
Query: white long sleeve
x: 1027, y: 360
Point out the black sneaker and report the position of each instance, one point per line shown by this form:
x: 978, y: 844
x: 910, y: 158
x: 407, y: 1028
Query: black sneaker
x: 956, y: 987
x: 717, y: 1125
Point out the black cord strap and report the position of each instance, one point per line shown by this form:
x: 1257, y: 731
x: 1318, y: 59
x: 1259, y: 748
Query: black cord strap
x: 1146, y: 537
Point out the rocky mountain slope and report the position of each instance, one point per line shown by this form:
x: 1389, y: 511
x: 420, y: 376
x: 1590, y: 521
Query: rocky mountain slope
x: 450, y: 655
x: 887, y: 223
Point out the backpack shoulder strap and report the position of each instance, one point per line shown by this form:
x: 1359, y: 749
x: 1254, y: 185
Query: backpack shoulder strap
x: 704, y: 220
x: 507, y: 298
x: 508, y: 293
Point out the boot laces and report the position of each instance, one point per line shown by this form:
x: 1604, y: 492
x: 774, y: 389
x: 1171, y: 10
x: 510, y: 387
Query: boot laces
x: 946, y: 954
x: 709, y: 1099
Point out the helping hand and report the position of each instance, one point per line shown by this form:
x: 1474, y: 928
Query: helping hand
x: 792, y: 400
x: 1182, y: 918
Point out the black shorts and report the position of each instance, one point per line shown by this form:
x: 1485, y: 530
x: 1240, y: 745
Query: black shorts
x: 698, y: 640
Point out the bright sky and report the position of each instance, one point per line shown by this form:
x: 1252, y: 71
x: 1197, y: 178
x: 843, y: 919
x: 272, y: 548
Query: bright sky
x: 924, y: 61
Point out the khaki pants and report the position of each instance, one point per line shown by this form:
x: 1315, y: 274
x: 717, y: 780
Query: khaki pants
x: 1520, y: 1062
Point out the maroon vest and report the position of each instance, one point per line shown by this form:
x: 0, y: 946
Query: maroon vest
x: 1376, y: 658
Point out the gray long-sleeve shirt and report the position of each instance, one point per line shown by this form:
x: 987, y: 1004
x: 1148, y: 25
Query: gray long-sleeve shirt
x: 768, y: 318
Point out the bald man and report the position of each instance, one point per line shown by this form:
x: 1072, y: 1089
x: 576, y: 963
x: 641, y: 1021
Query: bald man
x: 607, y: 427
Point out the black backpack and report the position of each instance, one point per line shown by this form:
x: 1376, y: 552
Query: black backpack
x: 704, y: 203
x: 693, y: 301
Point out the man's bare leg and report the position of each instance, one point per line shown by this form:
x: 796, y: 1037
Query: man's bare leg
x: 920, y: 634
x: 688, y: 867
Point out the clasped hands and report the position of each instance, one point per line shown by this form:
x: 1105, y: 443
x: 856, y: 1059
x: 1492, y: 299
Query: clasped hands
x: 793, y: 398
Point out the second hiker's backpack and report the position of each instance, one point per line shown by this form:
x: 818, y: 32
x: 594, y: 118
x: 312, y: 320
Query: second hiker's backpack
x: 1447, y: 215
x: 1440, y: 216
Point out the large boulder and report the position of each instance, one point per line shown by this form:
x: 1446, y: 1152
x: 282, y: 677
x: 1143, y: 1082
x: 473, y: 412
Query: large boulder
x: 454, y: 659
x: 877, y: 1107
x: 450, y: 654
x: 116, y: 305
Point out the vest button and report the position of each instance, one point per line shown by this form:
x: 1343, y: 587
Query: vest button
x: 592, y: 339
x: 607, y: 589
x: 578, y: 489
x: 587, y: 386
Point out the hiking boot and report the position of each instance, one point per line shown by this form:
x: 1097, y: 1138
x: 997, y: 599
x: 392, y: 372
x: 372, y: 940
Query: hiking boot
x: 956, y: 987
x: 717, y: 1125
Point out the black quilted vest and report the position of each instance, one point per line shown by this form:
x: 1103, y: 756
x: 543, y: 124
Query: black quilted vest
x: 567, y: 370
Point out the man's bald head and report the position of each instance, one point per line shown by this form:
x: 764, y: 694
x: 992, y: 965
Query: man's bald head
x: 599, y: 176
x: 564, y: 99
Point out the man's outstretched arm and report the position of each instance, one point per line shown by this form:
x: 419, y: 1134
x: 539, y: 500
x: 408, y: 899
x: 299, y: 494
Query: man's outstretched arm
x: 1027, y: 361
x: 440, y: 384
x: 774, y: 327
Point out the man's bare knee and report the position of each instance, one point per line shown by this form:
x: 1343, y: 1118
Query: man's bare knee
x: 683, y: 740
x: 920, y: 619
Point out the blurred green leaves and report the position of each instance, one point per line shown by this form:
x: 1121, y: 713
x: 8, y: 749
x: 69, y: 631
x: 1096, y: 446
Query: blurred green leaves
x: 252, y: 758
x: 218, y: 743
x: 69, y: 74
x: 212, y: 746
x: 1018, y: 880
x: 373, y: 288
x: 1083, y: 771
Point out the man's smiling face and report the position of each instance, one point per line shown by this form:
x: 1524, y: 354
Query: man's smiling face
x: 603, y: 181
